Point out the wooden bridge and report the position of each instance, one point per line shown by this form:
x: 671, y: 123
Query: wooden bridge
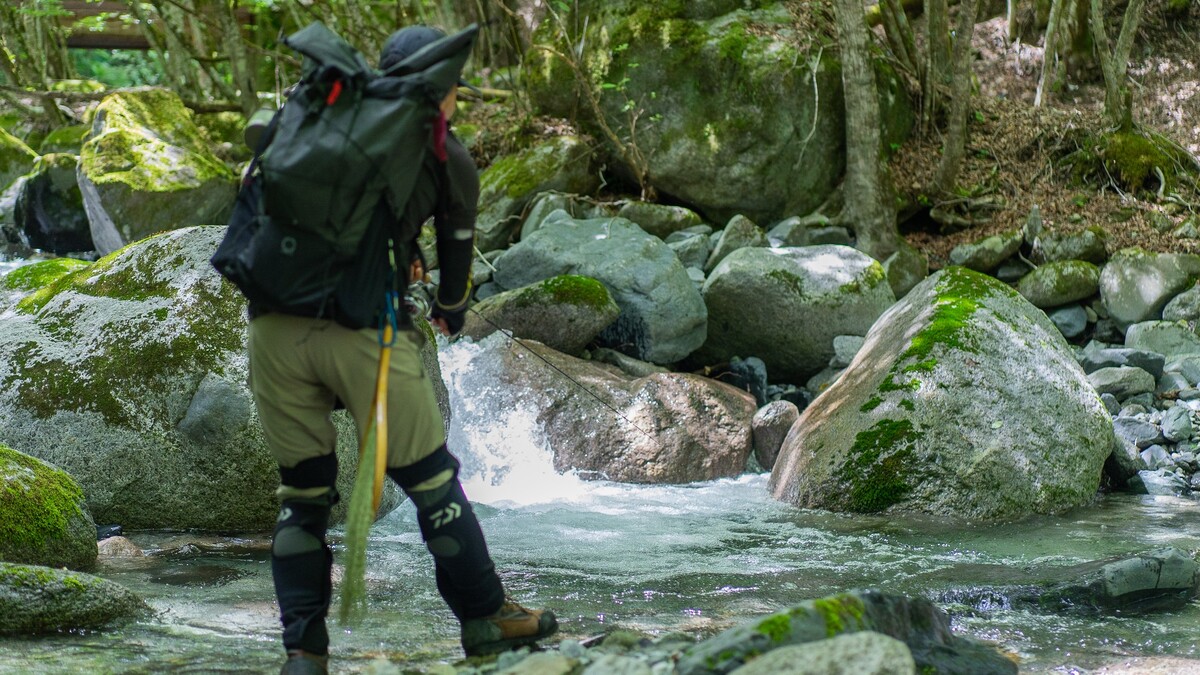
x: 114, y: 33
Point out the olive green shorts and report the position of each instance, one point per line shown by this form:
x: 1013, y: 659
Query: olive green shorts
x: 299, y: 366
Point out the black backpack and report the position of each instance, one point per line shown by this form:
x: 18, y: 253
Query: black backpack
x: 331, y: 177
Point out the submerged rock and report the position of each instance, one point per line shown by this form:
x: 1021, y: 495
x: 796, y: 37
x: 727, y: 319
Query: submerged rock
x: 36, y: 600
x: 916, y: 622
x: 1161, y: 579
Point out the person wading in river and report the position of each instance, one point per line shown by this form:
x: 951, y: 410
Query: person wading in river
x: 301, y: 366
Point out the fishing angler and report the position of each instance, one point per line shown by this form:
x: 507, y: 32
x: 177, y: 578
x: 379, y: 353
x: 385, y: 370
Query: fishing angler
x: 321, y: 242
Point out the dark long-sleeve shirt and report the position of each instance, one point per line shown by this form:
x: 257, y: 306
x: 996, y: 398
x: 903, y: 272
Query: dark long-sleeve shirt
x: 455, y: 233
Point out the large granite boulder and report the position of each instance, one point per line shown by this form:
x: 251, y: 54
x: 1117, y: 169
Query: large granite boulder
x: 37, y: 600
x: 785, y: 306
x: 1136, y: 285
x: 130, y: 375
x: 662, y: 315
x: 726, y: 106
x: 660, y: 428
x: 964, y: 402
x: 43, y: 517
x: 146, y: 168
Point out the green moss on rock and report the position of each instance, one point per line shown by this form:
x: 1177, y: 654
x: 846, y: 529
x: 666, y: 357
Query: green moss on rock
x: 65, y: 139
x: 16, y: 158
x: 568, y: 289
x: 147, y: 141
x: 41, y: 510
x: 41, y: 274
x: 119, y: 352
x: 842, y: 613
x: 876, y: 471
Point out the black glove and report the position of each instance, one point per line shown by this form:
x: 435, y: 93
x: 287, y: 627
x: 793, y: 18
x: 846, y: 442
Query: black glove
x: 454, y: 318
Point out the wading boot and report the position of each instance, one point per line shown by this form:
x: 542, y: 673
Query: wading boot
x: 302, y: 663
x: 510, y: 627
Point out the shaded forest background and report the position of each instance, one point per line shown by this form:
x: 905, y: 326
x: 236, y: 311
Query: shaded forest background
x: 1103, y: 133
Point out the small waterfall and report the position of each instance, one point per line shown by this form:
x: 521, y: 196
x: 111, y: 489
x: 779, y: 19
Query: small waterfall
x: 507, y: 460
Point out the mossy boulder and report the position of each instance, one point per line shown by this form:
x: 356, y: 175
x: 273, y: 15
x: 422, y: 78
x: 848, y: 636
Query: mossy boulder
x: 1136, y: 284
x: 916, y: 622
x: 1059, y: 283
x: 831, y: 290
x: 560, y: 164
x: 146, y: 168
x: 864, y: 652
x: 964, y: 402
x: 1090, y: 245
x: 986, y: 254
x: 43, y: 517
x: 49, y: 209
x: 130, y: 375
x: 662, y: 317
x: 730, y: 109
x: 564, y: 313
x: 36, y: 600
x: 16, y: 158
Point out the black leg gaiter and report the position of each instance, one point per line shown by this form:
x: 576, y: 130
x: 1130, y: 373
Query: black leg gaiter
x: 466, y: 576
x: 300, y: 564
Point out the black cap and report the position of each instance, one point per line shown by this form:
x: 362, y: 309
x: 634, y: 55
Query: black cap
x: 408, y: 41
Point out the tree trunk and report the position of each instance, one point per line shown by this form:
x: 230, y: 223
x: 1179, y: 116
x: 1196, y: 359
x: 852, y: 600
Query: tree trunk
x: 937, y: 68
x: 243, y: 67
x: 1049, y: 53
x: 955, y: 145
x: 1118, y: 108
x: 868, y: 206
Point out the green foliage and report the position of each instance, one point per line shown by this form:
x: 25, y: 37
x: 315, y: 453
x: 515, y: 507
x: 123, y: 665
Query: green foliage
x: 118, y: 67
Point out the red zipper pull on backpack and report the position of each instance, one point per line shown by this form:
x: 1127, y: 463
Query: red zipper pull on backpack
x: 334, y: 92
x: 440, y: 129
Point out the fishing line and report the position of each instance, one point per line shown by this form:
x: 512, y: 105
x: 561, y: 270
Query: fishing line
x: 511, y: 336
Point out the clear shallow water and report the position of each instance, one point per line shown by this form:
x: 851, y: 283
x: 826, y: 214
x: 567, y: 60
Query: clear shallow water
x: 696, y: 558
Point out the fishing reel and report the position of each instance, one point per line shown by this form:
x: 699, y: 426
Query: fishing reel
x: 418, y: 299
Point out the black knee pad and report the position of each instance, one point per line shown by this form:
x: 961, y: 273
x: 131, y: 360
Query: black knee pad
x: 408, y: 477
x: 466, y: 577
x: 302, y: 524
x: 300, y: 565
x: 311, y: 473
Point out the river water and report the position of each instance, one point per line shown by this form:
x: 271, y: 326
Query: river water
x: 695, y: 558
